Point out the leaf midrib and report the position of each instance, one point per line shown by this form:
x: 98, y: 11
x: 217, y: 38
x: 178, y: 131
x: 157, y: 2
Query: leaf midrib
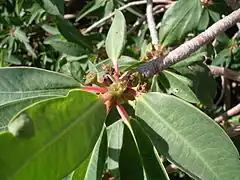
x: 181, y: 137
x: 57, y: 137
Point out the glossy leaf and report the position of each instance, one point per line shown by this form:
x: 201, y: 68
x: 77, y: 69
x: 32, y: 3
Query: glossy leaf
x: 116, y: 36
x: 129, y: 161
x: 64, y: 46
x: 152, y: 164
x: 115, y: 141
x: 52, y: 136
x: 54, y: 7
x: 180, y: 19
x: 188, y: 137
x: 19, y: 87
x: 93, y: 166
x: 177, y: 85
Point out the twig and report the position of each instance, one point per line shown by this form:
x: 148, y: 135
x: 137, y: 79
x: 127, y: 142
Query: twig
x: 227, y: 94
x: 231, y: 112
x: 134, y: 3
x: 151, y: 22
x: 234, y: 4
x: 171, y: 168
x: 222, y: 92
x: 150, y: 68
x: 69, y: 16
x: 221, y: 71
x: 157, y: 9
x: 233, y: 131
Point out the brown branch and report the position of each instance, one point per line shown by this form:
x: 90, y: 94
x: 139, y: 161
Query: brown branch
x: 150, y: 68
x: 221, y: 71
x: 234, y: 131
x: 231, y: 112
x: 171, y: 168
x: 151, y: 22
x: 234, y: 4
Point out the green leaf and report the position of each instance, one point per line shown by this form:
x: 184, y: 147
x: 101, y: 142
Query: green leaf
x: 152, y: 164
x: 97, y: 4
x: 74, y: 69
x: 52, y: 136
x: 109, y: 7
x: 12, y: 59
x: 21, y: 35
x: 64, y: 46
x: 132, y: 9
x: 129, y: 161
x: 72, y: 34
x: 20, y: 87
x: 188, y: 137
x: 177, y: 85
x: 8, y: 110
x: 116, y: 36
x: 36, y: 11
x: 54, y: 7
x: 30, y: 49
x: 125, y: 63
x: 93, y: 166
x: 198, y: 57
x: 202, y: 82
x: 50, y: 29
x: 223, y: 58
x: 180, y: 19
x: 156, y: 85
x: 23, y: 82
x: 214, y: 15
x: 204, y: 20
x: 115, y: 141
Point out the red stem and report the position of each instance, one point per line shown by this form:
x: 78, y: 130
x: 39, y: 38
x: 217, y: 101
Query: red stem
x: 122, y: 112
x: 95, y: 89
x: 116, y: 74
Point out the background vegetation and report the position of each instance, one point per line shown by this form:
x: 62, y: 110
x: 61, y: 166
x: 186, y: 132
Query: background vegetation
x: 81, y: 40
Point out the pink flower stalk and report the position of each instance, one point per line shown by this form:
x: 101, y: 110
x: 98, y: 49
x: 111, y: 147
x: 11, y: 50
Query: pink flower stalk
x: 95, y: 89
x: 132, y: 92
x: 122, y: 112
x: 116, y: 74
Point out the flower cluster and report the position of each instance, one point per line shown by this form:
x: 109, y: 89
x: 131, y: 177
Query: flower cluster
x: 114, y: 90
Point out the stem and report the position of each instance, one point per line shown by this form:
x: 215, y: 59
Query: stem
x: 151, y: 22
x: 228, y: 73
x: 95, y: 89
x: 231, y: 112
x: 106, y: 97
x: 116, y: 74
x: 122, y: 112
x: 134, y: 3
x: 153, y: 67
